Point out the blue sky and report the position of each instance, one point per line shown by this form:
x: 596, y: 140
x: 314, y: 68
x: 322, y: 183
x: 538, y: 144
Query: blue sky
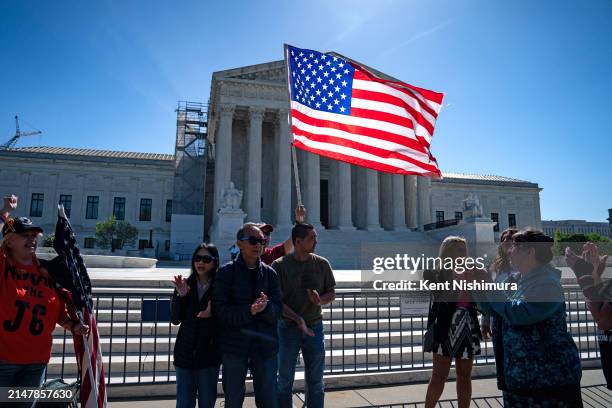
x: 527, y: 84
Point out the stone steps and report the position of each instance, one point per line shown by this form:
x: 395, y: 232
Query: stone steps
x: 372, y: 356
x: 357, y: 316
x: 333, y: 341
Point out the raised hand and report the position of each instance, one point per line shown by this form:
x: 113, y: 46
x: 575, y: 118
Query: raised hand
x: 300, y: 213
x: 206, y: 313
x: 180, y: 285
x: 314, y: 297
x: 9, y: 205
x: 591, y: 255
x: 570, y: 257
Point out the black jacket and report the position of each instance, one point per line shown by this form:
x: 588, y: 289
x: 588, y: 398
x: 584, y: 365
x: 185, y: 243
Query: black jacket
x: 236, y: 288
x: 195, y: 342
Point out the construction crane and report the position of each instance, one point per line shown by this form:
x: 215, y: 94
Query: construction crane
x: 18, y: 133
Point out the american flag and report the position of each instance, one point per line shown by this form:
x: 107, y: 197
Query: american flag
x: 341, y: 110
x: 86, y: 347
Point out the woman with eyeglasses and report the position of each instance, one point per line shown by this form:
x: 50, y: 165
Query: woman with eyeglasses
x: 501, y: 271
x: 195, y: 357
x: 541, y: 365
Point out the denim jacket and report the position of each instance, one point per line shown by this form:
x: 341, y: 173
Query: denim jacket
x: 539, y: 353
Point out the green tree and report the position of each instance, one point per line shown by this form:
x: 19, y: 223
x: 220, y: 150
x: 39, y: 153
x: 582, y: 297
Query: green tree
x: 105, y: 233
x: 115, y: 235
x: 47, y: 241
x: 126, y: 234
x: 576, y: 241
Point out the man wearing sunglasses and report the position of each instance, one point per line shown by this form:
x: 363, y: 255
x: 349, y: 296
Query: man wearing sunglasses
x: 247, y: 305
x: 307, y: 283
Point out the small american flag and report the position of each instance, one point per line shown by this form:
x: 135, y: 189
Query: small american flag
x: 341, y: 110
x: 87, y: 347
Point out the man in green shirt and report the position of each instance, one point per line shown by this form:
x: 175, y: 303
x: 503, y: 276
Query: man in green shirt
x: 307, y: 283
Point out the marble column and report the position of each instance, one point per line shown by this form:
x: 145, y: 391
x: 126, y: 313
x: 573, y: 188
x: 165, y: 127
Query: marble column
x: 424, y: 193
x: 284, y: 182
x: 223, y: 152
x: 312, y: 189
x: 372, y: 206
x: 253, y: 201
x: 343, y: 198
x: 412, y: 206
x: 399, y: 204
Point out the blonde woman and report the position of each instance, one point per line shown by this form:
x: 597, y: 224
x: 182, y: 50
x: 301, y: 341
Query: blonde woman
x: 452, y: 326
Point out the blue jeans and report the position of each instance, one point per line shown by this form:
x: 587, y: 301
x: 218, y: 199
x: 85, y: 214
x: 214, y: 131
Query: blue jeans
x: 21, y: 375
x: 201, y: 383
x: 291, y: 340
x: 264, y: 379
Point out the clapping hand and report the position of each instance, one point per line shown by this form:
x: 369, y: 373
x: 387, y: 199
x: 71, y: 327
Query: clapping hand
x: 260, y: 304
x: 314, y: 296
x: 181, y: 285
x: 205, y: 314
x: 590, y: 254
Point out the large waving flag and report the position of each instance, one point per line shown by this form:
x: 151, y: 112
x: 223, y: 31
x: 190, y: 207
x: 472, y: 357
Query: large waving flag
x: 86, y: 347
x: 342, y: 110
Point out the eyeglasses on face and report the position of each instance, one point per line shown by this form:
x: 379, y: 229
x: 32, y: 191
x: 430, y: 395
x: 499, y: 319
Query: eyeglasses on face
x: 204, y: 258
x: 254, y: 240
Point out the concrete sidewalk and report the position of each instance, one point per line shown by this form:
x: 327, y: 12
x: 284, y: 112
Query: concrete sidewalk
x: 387, y: 395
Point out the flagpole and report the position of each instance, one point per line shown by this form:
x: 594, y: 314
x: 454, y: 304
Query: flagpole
x: 92, y: 379
x: 61, y: 212
x: 296, y: 174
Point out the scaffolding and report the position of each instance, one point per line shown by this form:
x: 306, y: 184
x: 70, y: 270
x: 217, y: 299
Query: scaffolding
x: 190, y: 158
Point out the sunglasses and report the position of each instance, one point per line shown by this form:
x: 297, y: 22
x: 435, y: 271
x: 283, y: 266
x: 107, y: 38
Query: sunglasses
x: 254, y: 240
x: 204, y: 258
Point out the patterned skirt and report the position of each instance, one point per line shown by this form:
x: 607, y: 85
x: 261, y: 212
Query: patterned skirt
x: 463, y: 340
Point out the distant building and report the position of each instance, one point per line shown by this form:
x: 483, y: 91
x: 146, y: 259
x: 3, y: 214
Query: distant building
x: 577, y: 227
x: 92, y: 185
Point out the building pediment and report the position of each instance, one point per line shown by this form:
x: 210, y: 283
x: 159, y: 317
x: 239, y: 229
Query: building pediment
x: 267, y: 72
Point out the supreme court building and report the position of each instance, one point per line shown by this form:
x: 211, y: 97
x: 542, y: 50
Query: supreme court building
x: 250, y: 136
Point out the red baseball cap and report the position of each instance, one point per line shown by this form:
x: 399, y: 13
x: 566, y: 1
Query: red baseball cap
x: 265, y: 228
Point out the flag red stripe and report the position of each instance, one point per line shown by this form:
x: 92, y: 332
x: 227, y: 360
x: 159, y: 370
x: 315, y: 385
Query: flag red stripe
x: 362, y: 162
x: 382, y: 153
x: 386, y: 98
x: 436, y: 97
x: 382, y: 116
x: 360, y: 130
x: 393, y: 89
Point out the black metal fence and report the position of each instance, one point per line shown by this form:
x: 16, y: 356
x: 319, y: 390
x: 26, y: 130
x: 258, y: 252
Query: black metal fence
x: 364, y: 332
